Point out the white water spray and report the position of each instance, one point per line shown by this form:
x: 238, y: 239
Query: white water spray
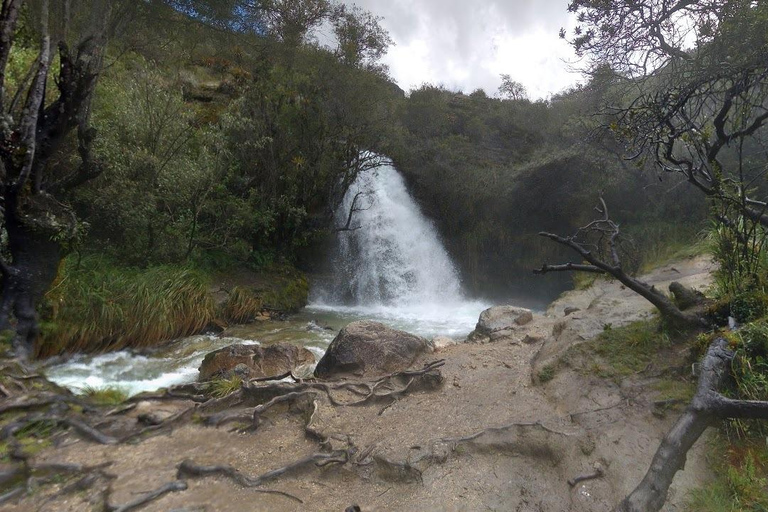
x: 390, y: 263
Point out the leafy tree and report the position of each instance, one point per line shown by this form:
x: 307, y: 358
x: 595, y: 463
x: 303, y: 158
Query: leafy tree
x: 511, y: 89
x: 691, y: 77
x: 362, y: 42
x: 39, y: 114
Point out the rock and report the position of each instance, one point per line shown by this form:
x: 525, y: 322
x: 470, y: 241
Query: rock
x: 254, y: 361
x: 570, y: 309
x: 153, y: 418
x: 532, y: 338
x: 370, y: 348
x: 499, y: 322
x: 443, y: 341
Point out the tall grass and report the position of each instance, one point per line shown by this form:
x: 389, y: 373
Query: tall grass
x: 95, y: 307
x: 241, y: 306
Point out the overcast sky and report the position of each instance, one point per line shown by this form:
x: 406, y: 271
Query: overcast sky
x: 466, y: 44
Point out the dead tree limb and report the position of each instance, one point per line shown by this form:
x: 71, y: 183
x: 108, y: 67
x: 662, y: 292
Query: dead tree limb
x: 708, y: 406
x: 600, y: 244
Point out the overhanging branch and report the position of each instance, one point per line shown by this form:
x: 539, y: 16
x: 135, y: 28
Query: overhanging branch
x: 568, y: 267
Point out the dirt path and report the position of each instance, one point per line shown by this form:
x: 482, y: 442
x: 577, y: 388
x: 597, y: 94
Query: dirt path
x: 565, y: 428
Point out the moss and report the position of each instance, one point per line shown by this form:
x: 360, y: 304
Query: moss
x: 289, y: 293
x: 675, y: 390
x: 621, y: 351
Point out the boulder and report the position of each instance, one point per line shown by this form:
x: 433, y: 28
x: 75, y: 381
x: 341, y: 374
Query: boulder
x: 370, y: 348
x: 439, y: 342
x: 499, y: 322
x: 254, y: 361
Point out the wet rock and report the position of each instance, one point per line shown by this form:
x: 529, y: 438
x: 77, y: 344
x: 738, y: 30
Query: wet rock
x: 370, y: 348
x: 254, y: 361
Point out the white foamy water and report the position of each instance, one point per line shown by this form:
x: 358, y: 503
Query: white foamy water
x: 391, y: 267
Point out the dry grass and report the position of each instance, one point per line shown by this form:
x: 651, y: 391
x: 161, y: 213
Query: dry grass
x: 241, y: 306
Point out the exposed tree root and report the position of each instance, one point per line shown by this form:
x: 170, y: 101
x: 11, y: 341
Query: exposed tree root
x: 188, y: 469
x: 175, y: 486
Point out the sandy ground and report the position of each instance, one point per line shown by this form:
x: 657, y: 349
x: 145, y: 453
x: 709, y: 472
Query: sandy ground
x: 565, y: 429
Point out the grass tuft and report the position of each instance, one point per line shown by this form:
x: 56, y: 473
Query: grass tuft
x: 96, y: 307
x: 105, y: 395
x: 225, y: 387
x: 241, y: 306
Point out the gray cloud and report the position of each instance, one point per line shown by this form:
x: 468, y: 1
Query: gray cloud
x: 466, y: 45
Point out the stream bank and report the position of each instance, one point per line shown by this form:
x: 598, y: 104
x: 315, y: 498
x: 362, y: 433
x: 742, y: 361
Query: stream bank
x: 492, y: 436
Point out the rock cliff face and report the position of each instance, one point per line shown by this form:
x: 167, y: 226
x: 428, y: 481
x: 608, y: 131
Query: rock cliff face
x: 370, y: 348
x: 253, y: 361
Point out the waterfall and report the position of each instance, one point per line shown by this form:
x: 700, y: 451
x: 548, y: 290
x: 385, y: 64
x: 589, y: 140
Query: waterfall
x: 389, y: 264
x: 390, y: 254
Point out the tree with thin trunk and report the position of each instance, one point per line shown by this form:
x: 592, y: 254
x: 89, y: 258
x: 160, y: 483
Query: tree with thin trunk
x: 39, y: 114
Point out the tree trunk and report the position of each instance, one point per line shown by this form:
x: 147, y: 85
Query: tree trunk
x: 707, y: 407
x: 33, y: 268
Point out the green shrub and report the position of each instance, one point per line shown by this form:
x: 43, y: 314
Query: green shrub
x: 547, y: 373
x: 749, y: 306
x: 105, y: 396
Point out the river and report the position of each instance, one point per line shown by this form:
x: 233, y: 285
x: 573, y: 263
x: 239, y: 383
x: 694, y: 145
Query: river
x: 389, y: 266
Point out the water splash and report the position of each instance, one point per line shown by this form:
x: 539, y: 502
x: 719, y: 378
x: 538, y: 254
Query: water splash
x: 389, y: 264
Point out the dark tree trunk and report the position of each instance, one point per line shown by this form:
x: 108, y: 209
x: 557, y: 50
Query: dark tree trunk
x: 35, y: 258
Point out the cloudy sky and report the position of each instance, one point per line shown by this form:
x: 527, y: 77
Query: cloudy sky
x: 467, y: 44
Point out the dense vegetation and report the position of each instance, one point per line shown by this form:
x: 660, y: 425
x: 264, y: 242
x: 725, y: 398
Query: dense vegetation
x: 221, y: 136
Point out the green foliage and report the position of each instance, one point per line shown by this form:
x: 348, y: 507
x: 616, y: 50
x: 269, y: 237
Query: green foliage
x: 291, y: 293
x: 741, y: 478
x: 225, y: 387
x: 105, y: 395
x: 749, y: 306
x: 547, y: 373
x: 750, y: 372
x: 95, y: 306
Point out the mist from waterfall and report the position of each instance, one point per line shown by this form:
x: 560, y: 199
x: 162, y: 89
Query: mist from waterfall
x: 389, y: 263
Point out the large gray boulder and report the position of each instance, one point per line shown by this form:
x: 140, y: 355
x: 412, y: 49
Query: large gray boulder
x: 370, y: 348
x: 254, y: 361
x: 500, y: 321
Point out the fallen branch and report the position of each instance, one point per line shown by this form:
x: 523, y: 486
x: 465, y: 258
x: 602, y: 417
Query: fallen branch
x: 583, y: 478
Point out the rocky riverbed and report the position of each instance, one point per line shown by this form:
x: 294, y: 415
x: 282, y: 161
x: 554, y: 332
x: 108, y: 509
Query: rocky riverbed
x: 474, y: 426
